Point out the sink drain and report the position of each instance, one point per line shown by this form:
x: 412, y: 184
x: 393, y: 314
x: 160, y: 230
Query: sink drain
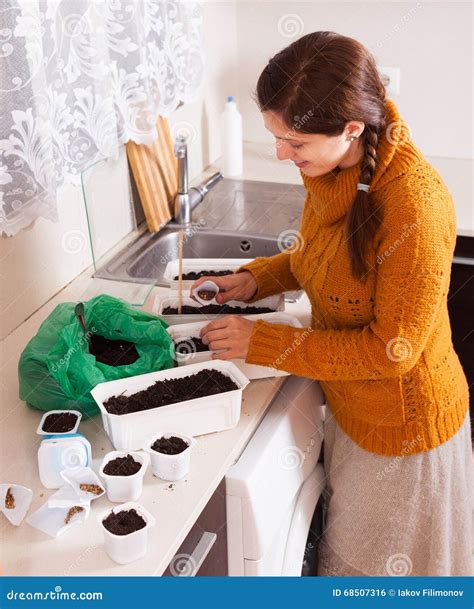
x: 245, y: 246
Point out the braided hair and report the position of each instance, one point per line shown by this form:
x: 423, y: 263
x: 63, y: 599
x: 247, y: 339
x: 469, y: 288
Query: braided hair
x: 330, y: 80
x: 363, y: 217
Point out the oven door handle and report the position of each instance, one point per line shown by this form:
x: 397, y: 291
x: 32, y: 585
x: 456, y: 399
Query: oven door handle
x: 463, y: 260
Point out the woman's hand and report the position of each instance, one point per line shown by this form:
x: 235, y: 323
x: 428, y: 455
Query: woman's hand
x: 231, y: 333
x: 238, y: 286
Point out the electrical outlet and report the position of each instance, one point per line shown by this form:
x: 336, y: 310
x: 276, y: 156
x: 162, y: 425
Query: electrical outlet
x: 391, y: 79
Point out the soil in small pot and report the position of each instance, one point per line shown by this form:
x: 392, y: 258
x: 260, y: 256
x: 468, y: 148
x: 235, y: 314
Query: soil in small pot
x: 112, y: 352
x: 170, y: 446
x: 190, y: 345
x: 216, y: 309
x: 124, y: 522
x: 122, y: 466
x: 170, y: 391
x: 59, y: 422
x: 193, y: 275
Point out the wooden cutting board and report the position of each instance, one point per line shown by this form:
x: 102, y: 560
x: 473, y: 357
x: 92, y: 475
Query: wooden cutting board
x: 155, y: 171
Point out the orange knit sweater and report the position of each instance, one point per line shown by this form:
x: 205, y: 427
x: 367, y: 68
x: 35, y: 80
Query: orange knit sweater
x: 382, y: 349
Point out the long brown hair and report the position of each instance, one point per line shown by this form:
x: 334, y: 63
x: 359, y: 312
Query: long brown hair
x: 322, y: 81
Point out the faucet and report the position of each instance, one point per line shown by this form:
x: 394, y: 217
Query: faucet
x: 187, y: 198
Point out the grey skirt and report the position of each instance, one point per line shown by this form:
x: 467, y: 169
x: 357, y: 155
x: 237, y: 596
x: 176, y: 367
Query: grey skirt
x: 408, y: 515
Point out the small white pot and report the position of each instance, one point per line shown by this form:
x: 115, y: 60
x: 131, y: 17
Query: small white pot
x: 170, y: 467
x: 40, y: 431
x: 124, y: 488
x: 124, y: 549
x: 206, y: 286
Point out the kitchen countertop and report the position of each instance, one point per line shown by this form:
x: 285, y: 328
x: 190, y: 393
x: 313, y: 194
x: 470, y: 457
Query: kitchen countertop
x: 79, y: 551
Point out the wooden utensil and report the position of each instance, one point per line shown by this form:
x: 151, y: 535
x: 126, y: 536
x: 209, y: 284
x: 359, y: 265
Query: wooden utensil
x: 180, y: 271
x: 155, y: 170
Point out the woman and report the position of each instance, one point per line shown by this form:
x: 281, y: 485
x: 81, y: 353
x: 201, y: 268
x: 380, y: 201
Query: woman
x: 374, y: 256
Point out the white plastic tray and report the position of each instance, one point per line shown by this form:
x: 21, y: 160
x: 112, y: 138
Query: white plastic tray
x: 192, y: 418
x: 200, y: 264
x: 251, y: 371
x: 170, y: 299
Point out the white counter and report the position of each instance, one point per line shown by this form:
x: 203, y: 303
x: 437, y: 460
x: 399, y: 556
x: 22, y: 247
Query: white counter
x: 79, y: 551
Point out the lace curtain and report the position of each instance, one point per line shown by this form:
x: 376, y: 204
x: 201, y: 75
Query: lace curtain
x: 78, y: 78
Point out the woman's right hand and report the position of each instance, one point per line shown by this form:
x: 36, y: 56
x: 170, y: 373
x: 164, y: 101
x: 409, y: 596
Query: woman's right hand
x: 238, y: 286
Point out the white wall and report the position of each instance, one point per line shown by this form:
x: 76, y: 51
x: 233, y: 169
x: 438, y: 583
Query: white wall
x: 429, y: 41
x: 39, y: 261
x: 200, y: 120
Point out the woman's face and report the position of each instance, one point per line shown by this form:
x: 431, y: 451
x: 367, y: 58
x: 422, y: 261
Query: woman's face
x: 315, y: 154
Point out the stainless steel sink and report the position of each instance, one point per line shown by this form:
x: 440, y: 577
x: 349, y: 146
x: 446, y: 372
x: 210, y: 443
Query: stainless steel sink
x: 237, y: 220
x: 152, y: 261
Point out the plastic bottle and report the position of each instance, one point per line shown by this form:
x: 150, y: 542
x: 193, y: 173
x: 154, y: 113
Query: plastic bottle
x: 231, y: 139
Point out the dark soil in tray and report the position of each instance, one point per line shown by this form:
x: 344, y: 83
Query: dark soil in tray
x: 170, y: 391
x: 122, y: 466
x: 192, y: 275
x: 213, y: 309
x: 124, y: 522
x: 190, y: 345
x: 113, y: 352
x: 59, y: 422
x: 170, y: 446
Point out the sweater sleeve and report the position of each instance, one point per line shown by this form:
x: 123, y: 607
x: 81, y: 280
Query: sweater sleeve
x: 273, y: 275
x: 414, y: 255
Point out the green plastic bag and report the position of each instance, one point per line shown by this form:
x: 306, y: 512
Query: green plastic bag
x: 56, y: 370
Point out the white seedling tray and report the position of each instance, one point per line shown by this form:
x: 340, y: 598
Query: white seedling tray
x: 251, y: 371
x: 192, y: 417
x: 200, y: 264
x: 277, y: 303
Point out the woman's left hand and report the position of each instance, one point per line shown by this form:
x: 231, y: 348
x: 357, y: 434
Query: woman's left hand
x: 231, y: 333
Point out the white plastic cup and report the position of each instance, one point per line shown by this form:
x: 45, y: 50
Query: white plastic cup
x: 206, y: 286
x: 170, y: 467
x: 40, y: 431
x: 124, y: 549
x: 124, y: 488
